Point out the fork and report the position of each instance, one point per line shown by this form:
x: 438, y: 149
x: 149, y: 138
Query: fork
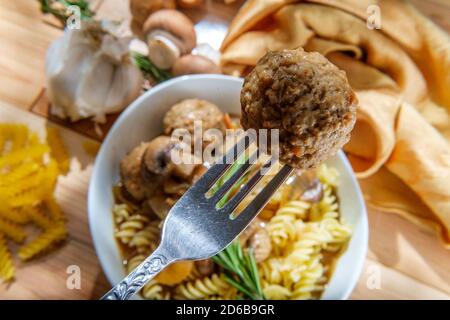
x: 196, y: 228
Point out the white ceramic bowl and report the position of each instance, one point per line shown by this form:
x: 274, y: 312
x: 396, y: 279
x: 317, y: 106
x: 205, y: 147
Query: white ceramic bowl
x: 142, y: 120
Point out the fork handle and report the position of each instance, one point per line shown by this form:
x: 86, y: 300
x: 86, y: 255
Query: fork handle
x: 147, y: 270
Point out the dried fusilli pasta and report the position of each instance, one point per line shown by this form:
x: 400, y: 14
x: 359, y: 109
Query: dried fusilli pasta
x: 7, y: 270
x: 57, y: 149
x: 43, y: 242
x: 12, y: 231
x: 28, y: 176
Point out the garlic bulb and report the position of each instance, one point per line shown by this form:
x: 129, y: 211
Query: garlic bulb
x: 90, y: 73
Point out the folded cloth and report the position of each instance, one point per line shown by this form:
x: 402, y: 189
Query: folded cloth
x: 400, y: 147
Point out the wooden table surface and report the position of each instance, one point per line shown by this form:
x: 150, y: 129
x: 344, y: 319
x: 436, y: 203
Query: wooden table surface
x: 404, y: 262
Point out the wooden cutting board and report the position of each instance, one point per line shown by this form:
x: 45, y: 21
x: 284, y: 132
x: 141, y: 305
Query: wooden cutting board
x: 404, y: 262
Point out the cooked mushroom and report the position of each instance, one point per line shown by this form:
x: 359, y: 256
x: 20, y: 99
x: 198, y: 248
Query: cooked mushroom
x: 253, y: 227
x: 307, y: 187
x: 187, y: 4
x: 130, y: 172
x: 204, y: 267
x: 260, y: 244
x: 169, y: 35
x: 141, y: 9
x: 194, y: 64
x: 156, y: 159
x: 159, y: 205
x: 175, y: 186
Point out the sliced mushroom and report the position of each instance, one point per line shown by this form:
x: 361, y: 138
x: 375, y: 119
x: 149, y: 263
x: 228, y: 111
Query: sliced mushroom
x: 184, y: 170
x: 205, y: 267
x: 169, y: 35
x: 194, y: 64
x: 307, y: 187
x: 159, y: 205
x: 130, y: 172
x: 261, y: 245
x: 156, y: 159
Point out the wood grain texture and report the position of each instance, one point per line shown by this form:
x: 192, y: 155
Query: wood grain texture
x: 404, y: 262
x: 24, y: 42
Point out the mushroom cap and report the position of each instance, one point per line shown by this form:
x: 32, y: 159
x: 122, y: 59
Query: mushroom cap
x: 187, y: 4
x: 194, y: 64
x: 156, y: 159
x: 140, y: 10
x: 175, y: 23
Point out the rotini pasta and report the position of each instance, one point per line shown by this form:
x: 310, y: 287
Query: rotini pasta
x: 43, y: 242
x: 19, y: 173
x: 154, y: 291
x: 57, y: 149
x: 203, y: 288
x: 28, y: 175
x: 30, y: 153
x: 12, y: 231
x: 7, y: 270
x: 38, y: 217
x: 14, y: 215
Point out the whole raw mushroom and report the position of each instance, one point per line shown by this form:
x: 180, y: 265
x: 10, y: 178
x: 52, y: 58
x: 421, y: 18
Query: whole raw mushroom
x: 169, y: 35
x: 141, y: 9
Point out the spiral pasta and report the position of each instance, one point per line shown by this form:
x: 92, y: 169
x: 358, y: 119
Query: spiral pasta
x: 43, y: 242
x: 214, y: 285
x: 281, y: 227
x: 28, y: 176
x: 14, y: 215
x: 7, y: 270
x: 154, y: 291
x: 12, y: 231
x: 57, y: 149
x: 38, y: 217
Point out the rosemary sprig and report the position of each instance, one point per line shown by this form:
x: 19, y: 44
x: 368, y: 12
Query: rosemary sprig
x: 59, y: 8
x: 240, y: 270
x: 147, y: 67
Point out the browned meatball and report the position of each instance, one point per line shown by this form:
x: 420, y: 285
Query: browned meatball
x: 184, y: 113
x: 307, y: 98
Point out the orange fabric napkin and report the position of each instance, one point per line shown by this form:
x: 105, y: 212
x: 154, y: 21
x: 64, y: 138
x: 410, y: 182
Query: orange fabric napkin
x: 400, y: 145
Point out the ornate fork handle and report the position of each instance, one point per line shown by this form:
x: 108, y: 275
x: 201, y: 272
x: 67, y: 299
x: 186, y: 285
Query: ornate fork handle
x: 147, y: 270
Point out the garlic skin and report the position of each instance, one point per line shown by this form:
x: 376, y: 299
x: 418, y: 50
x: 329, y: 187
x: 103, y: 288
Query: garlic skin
x: 90, y: 73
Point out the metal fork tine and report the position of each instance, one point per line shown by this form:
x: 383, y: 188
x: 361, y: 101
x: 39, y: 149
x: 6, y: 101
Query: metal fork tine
x: 249, y: 185
x: 263, y: 197
x: 217, y: 170
x: 234, y: 178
